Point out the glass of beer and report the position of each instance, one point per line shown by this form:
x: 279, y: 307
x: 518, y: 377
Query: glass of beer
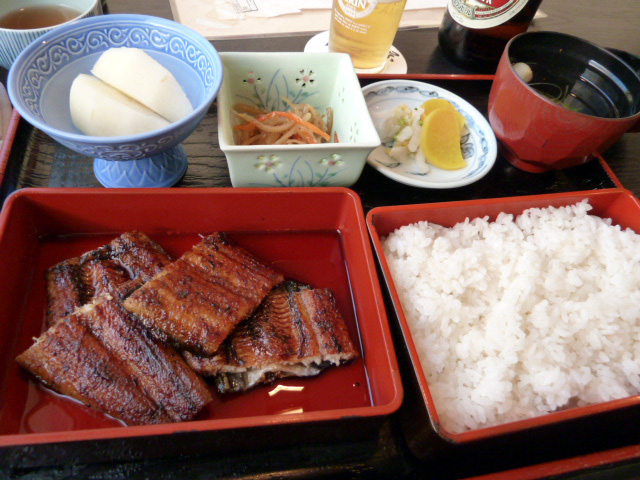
x: 365, y: 29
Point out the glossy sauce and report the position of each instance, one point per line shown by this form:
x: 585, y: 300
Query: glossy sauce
x: 316, y: 258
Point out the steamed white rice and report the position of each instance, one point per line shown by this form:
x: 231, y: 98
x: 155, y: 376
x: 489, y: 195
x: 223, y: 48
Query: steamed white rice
x: 517, y: 318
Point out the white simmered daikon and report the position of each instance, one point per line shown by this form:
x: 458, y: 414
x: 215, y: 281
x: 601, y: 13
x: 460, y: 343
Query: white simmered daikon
x: 100, y: 110
x: 135, y: 73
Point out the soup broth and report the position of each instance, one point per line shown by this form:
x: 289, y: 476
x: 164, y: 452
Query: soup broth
x: 584, y: 91
x: 40, y: 16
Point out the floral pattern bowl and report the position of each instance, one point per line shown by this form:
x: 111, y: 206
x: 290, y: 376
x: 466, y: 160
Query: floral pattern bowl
x: 319, y: 79
x: 40, y: 79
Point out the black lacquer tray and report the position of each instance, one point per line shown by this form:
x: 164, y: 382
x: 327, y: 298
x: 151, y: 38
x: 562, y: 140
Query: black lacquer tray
x: 35, y: 160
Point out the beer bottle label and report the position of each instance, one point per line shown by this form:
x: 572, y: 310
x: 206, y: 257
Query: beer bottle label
x: 479, y: 14
x: 357, y: 8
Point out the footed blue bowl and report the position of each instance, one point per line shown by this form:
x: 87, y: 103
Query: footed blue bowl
x: 40, y: 79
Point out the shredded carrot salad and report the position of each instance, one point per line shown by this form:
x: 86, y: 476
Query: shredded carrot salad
x: 300, y: 125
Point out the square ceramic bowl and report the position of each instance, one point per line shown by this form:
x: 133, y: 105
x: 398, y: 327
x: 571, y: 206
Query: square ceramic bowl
x: 617, y: 204
x: 314, y: 235
x: 320, y: 79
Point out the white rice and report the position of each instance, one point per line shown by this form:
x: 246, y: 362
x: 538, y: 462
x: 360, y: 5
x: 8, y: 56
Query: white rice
x: 514, y: 319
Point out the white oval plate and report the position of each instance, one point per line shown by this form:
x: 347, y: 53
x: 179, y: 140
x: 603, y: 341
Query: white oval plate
x: 479, y: 147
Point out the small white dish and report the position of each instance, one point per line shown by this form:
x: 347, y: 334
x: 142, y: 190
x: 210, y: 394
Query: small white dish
x: 479, y: 147
x: 396, y: 63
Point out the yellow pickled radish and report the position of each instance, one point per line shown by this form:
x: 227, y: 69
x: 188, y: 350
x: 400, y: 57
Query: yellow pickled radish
x: 430, y: 105
x: 440, y: 140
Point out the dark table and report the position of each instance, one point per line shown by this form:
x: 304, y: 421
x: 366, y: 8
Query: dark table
x: 609, y: 24
x: 38, y: 161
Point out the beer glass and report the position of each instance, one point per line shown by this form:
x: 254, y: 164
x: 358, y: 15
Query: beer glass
x: 365, y: 29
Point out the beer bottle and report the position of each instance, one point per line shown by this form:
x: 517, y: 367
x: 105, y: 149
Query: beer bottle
x: 473, y: 33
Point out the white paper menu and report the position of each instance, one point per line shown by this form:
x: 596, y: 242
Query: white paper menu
x: 225, y: 19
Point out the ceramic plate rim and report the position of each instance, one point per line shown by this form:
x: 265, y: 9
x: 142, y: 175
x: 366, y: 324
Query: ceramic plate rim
x: 480, y: 120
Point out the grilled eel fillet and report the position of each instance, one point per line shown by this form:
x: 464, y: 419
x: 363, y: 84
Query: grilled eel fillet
x: 102, y: 356
x: 292, y: 334
x: 197, y: 300
x: 116, y: 269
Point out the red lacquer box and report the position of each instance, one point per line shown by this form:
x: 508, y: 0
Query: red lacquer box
x: 422, y: 418
x: 314, y: 235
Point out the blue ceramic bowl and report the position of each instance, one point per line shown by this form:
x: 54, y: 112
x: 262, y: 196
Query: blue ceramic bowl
x: 40, y: 79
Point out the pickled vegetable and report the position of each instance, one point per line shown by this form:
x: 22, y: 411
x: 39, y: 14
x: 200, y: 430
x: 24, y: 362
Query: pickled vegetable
x: 440, y: 139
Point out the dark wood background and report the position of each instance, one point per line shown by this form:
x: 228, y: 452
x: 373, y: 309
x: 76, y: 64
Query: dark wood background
x: 614, y: 24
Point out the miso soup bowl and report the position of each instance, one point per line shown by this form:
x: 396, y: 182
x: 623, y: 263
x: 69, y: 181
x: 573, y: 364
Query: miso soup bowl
x: 537, y: 134
x: 13, y: 41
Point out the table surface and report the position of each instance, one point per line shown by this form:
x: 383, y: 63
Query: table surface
x: 608, y: 24
x: 611, y: 25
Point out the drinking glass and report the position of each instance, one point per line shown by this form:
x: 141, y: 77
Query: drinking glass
x: 365, y: 29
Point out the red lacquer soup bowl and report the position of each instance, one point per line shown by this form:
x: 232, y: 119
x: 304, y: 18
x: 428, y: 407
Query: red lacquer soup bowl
x: 566, y: 100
